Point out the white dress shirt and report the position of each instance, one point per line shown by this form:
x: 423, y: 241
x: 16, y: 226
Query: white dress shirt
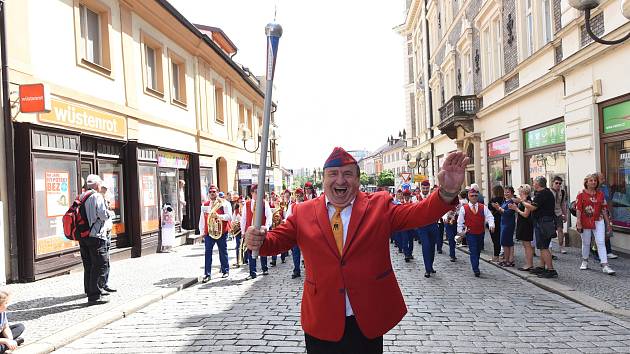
x: 345, y: 221
x: 462, y: 213
x: 226, y: 216
x: 268, y: 215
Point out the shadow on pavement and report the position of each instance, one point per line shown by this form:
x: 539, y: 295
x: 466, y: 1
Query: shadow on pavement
x: 195, y: 255
x: 33, y: 309
x: 168, y: 282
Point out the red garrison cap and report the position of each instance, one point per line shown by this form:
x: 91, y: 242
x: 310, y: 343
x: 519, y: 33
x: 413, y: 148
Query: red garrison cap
x: 425, y: 183
x: 212, y: 188
x: 399, y: 190
x: 299, y: 191
x: 254, y: 187
x: 308, y: 184
x: 286, y: 191
x: 339, y: 157
x: 407, y: 192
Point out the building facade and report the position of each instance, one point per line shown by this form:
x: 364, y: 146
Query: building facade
x: 524, y: 91
x: 140, y: 96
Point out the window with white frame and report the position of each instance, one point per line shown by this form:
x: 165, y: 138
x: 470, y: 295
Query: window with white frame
x: 529, y: 27
x: 91, y: 34
x: 466, y: 72
x: 153, y: 74
x: 92, y: 22
x: 178, y: 79
x: 492, y: 51
x: 547, y: 33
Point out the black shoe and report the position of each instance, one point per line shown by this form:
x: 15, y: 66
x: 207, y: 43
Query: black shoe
x: 537, y: 270
x: 265, y: 272
x: 427, y: 275
x: 284, y: 261
x: 109, y: 290
x: 433, y: 271
x: 477, y: 274
x: 440, y: 251
x: 411, y: 256
x: 554, y: 257
x: 272, y: 263
x: 251, y: 276
x: 453, y: 259
x: 225, y: 275
x: 205, y: 279
x: 295, y: 275
x: 407, y: 259
x: 548, y: 274
x: 99, y: 301
x: 19, y: 340
x: 105, y: 293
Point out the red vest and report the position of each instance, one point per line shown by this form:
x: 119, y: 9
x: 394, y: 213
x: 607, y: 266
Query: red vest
x: 475, y: 222
x: 249, y: 216
x: 220, y: 211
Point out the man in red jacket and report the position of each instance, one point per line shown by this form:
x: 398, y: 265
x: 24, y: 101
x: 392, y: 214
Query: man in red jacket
x: 343, y: 235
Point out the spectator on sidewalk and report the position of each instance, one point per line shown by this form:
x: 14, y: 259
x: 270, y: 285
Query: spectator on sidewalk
x: 237, y: 232
x: 508, y: 224
x: 108, y: 226
x: 543, y: 211
x: 495, y: 203
x: 603, y: 186
x: 524, y: 225
x: 560, y: 197
x: 94, y: 247
x: 9, y: 333
x: 592, y: 219
x: 471, y: 220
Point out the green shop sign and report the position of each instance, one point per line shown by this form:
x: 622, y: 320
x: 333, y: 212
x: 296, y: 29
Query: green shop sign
x: 617, y: 117
x: 549, y: 135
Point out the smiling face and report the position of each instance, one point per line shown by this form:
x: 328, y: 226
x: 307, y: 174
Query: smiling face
x: 507, y: 193
x: 341, y: 184
x: 425, y: 189
x: 592, y: 182
x: 473, y: 197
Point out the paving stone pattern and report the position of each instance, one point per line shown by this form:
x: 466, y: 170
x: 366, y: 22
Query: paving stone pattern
x: 611, y: 289
x: 49, y: 305
x: 452, y: 312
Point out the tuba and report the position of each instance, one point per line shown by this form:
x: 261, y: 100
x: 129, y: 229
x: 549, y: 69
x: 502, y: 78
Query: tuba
x: 215, y: 225
x: 278, y: 215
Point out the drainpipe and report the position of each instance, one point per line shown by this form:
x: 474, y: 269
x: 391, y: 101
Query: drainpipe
x: 8, y: 147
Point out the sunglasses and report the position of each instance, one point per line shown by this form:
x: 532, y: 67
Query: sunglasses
x: 557, y: 182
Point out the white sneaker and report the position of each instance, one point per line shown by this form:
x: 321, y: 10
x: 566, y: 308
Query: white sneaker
x: 612, y: 256
x: 608, y: 270
x: 562, y: 250
x: 584, y: 265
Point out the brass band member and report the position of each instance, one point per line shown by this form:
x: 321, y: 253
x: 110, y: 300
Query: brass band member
x: 216, y: 213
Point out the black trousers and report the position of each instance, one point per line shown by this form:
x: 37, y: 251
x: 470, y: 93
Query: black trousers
x: 95, y: 258
x: 16, y: 329
x: 352, y: 342
x: 496, y: 239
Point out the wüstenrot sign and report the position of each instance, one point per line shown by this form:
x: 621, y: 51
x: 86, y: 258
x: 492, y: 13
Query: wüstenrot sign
x: 82, y: 118
x: 34, y: 98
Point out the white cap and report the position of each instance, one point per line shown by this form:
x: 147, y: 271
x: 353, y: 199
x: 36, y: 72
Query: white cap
x: 93, y: 179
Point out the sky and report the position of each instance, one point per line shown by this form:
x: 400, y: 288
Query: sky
x: 339, y: 70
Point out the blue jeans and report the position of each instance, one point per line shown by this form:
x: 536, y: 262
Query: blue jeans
x: 451, y: 232
x: 474, y: 247
x: 429, y: 235
x: 283, y: 256
x: 223, y: 254
x: 252, y: 263
x: 406, y: 238
x: 296, y: 255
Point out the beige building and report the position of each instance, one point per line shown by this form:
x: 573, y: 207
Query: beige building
x: 523, y: 89
x: 152, y: 103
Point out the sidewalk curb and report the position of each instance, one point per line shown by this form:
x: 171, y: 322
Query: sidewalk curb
x: 59, y: 339
x: 562, y: 290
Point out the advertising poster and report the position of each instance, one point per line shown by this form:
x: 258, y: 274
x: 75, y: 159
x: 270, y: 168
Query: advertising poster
x: 148, y: 190
x: 621, y: 196
x: 57, y: 193
x: 110, y: 180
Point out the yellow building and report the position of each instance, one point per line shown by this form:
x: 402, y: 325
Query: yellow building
x: 152, y: 103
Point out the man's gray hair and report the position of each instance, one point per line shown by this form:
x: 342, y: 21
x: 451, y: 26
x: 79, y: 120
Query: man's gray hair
x: 541, y: 180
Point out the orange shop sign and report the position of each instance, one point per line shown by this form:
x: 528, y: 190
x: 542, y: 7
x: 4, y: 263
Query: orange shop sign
x: 34, y: 98
x: 84, y: 119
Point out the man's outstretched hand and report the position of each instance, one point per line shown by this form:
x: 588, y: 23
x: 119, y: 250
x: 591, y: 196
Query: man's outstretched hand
x: 254, y: 238
x: 451, y: 175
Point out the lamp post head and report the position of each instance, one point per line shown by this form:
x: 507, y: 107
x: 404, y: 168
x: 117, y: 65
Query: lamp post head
x: 584, y: 4
x: 273, y: 30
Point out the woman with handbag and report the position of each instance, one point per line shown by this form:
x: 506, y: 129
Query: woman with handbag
x: 524, y: 225
x: 592, y: 219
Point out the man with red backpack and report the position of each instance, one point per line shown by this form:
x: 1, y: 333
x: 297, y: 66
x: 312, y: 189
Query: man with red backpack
x: 94, y: 253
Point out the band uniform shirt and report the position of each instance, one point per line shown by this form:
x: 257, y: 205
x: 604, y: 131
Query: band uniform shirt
x: 345, y: 221
x: 461, y: 217
x: 226, y: 216
x: 268, y: 215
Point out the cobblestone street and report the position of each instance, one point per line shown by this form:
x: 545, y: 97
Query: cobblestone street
x: 450, y: 312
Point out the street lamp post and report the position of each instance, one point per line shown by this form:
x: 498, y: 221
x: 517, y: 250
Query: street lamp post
x: 587, y: 6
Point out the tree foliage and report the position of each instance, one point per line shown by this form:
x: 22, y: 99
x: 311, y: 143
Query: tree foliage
x: 385, y: 178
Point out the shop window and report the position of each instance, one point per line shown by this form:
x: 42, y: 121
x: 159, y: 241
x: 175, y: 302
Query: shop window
x: 55, y: 187
x: 111, y: 172
x: 148, y: 199
x: 218, y: 104
x: 92, y: 41
x: 548, y: 165
x: 153, y: 75
x: 618, y: 177
x: 178, y: 79
x: 206, y: 177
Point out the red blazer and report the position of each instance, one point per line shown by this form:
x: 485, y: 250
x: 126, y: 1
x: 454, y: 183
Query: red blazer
x: 364, y: 270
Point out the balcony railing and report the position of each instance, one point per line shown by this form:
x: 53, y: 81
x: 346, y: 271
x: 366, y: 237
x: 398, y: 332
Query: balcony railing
x: 459, y: 111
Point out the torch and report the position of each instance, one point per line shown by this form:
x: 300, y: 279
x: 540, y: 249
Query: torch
x: 273, y: 32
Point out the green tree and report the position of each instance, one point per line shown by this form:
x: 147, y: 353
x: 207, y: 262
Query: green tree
x: 364, y: 179
x: 386, y: 178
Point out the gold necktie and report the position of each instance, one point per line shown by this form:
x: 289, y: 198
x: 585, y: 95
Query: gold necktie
x: 337, y: 228
x: 475, y: 208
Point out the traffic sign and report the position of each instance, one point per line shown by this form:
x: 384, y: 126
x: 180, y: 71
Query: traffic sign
x: 406, y: 176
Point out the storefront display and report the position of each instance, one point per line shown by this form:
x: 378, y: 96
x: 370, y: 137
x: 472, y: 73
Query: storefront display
x: 174, y: 189
x: 545, y: 152
x: 149, y: 215
x: 499, y: 168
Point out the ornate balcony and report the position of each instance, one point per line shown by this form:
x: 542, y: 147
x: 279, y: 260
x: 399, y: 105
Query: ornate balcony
x: 459, y: 111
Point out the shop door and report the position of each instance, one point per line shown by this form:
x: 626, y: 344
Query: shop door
x: 87, y: 168
x: 168, y: 190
